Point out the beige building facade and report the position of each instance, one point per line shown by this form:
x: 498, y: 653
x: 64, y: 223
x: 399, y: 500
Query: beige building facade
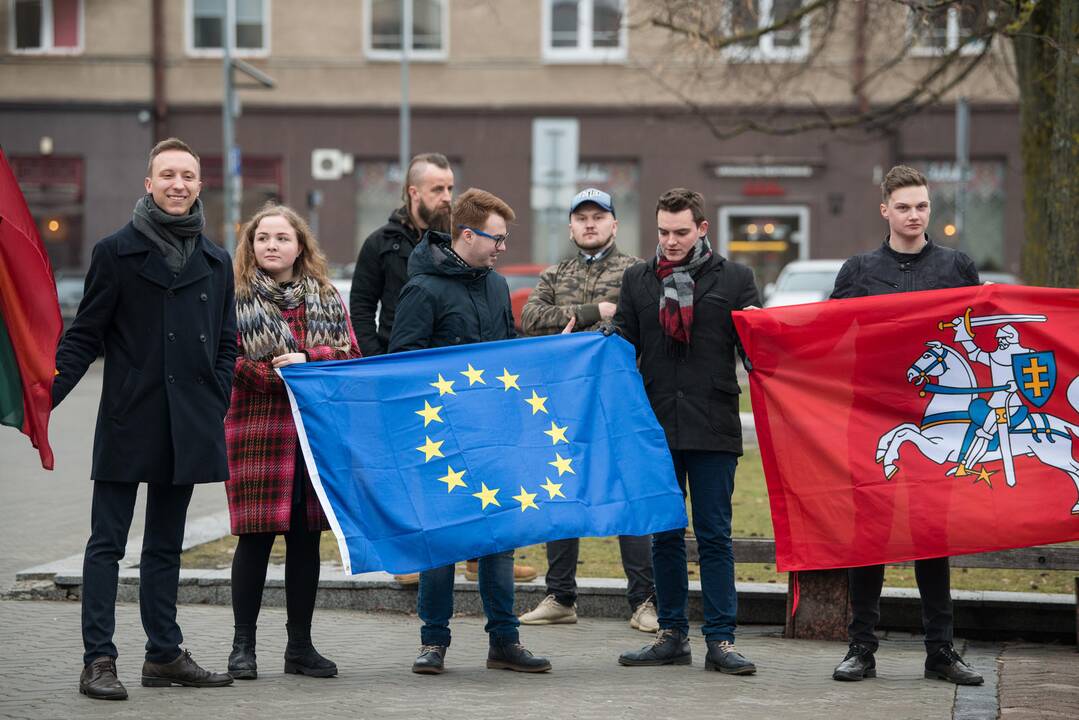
x: 531, y: 99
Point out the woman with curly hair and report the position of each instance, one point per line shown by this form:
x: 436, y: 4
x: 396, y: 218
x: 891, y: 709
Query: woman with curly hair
x: 287, y: 312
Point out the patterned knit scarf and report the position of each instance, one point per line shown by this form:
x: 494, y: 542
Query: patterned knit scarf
x: 676, y: 308
x: 263, y: 329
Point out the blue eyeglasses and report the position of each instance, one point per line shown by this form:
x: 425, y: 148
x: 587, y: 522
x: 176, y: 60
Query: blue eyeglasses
x: 500, y: 240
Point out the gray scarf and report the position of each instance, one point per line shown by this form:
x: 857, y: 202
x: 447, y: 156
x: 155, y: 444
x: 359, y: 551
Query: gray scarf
x: 174, y: 235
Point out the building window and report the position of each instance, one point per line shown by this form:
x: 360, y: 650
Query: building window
x: 787, y: 44
x: 584, y: 30
x: 941, y: 30
x: 46, y: 26
x: 382, y: 29
x: 980, y: 199
x: 53, y: 188
x: 206, y: 20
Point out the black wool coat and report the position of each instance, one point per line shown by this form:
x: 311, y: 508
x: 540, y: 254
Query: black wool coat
x: 694, y: 394
x: 170, y: 351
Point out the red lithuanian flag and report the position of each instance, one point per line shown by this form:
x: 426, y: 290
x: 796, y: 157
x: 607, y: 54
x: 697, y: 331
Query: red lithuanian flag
x: 30, y: 324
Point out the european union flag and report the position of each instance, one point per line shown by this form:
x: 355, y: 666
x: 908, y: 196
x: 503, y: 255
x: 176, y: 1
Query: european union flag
x: 425, y: 458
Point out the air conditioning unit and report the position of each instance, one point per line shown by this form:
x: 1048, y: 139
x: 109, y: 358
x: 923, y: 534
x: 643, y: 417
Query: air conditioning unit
x: 330, y: 164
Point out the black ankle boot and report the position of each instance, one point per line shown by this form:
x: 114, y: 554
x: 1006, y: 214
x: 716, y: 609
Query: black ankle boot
x: 242, y: 664
x: 301, y: 658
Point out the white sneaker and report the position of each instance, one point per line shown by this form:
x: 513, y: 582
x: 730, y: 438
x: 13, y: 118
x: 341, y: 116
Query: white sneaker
x: 645, y: 618
x: 550, y: 612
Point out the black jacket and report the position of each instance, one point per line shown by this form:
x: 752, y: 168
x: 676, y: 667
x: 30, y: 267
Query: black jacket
x: 381, y: 271
x: 884, y: 271
x: 170, y: 351
x: 695, y: 397
x: 445, y: 303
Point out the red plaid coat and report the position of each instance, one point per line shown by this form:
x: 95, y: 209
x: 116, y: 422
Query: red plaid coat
x: 262, y: 441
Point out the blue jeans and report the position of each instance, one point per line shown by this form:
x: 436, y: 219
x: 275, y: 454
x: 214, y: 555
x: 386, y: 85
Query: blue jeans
x: 434, y: 604
x: 710, y: 477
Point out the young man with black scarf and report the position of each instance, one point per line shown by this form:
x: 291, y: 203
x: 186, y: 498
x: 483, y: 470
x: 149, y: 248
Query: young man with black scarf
x: 159, y: 302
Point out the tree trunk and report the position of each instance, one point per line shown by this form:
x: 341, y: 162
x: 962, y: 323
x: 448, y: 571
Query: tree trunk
x: 1063, y: 206
x: 1049, y: 122
x: 1035, y: 70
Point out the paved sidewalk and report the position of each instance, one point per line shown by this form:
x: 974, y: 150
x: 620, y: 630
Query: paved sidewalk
x: 374, y: 651
x: 33, y: 500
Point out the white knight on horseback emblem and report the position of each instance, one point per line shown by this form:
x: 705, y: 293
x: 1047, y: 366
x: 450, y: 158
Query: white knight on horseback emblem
x: 968, y: 424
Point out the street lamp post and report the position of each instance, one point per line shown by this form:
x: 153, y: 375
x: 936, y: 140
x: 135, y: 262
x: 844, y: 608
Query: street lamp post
x: 230, y: 110
x: 405, y: 118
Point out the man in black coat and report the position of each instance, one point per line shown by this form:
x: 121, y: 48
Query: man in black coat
x: 676, y: 311
x: 454, y: 297
x: 382, y: 266
x: 907, y: 260
x: 159, y: 303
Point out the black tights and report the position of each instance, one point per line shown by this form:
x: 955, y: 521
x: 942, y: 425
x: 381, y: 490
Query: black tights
x: 301, y: 571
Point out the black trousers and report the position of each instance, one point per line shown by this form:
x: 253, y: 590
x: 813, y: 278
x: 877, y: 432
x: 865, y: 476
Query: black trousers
x: 636, y: 561
x: 159, y: 567
x: 934, y: 586
x: 302, y: 564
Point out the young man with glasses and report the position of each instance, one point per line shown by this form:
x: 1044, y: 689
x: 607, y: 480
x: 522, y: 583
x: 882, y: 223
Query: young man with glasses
x: 583, y: 290
x: 453, y: 297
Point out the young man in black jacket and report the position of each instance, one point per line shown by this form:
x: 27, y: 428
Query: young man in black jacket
x: 159, y: 303
x: 454, y: 297
x: 676, y: 311
x: 907, y: 260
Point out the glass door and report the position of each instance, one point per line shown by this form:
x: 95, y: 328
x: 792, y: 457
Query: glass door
x: 764, y: 237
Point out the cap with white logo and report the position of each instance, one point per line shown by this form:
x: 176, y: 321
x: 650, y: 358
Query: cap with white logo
x: 594, y: 196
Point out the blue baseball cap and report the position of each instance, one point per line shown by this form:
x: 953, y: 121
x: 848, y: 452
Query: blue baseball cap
x: 594, y: 196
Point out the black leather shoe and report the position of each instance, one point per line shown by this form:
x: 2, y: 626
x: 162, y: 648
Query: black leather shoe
x: 431, y: 660
x: 242, y: 665
x: 181, y: 671
x: 945, y: 664
x: 301, y: 657
x: 515, y: 657
x: 722, y: 656
x: 99, y: 681
x: 671, y: 647
x: 858, y: 665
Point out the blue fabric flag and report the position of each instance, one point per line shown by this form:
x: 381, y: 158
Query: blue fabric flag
x: 425, y: 458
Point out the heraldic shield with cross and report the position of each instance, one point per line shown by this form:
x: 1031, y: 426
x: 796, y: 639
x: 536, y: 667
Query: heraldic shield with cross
x: 425, y: 458
x: 919, y: 425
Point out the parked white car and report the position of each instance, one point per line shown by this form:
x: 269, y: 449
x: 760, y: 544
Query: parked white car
x: 802, y: 281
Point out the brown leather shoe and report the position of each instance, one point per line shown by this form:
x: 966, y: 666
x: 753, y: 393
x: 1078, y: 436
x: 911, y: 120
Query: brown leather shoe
x: 181, y: 671
x: 99, y: 681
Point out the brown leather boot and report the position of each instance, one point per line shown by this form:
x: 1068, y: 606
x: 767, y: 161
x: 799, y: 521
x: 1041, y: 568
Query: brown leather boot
x: 99, y: 681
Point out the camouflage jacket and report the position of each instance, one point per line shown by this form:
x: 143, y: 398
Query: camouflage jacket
x: 574, y: 288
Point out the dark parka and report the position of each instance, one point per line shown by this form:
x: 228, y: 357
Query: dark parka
x: 381, y: 271
x: 884, y: 271
x: 694, y: 396
x: 445, y: 304
x: 170, y: 348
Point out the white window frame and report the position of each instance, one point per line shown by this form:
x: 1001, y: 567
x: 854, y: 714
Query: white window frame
x: 801, y: 211
x: 372, y: 53
x: 189, y: 35
x: 765, y: 49
x: 952, y: 42
x: 47, y: 28
x: 584, y: 52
